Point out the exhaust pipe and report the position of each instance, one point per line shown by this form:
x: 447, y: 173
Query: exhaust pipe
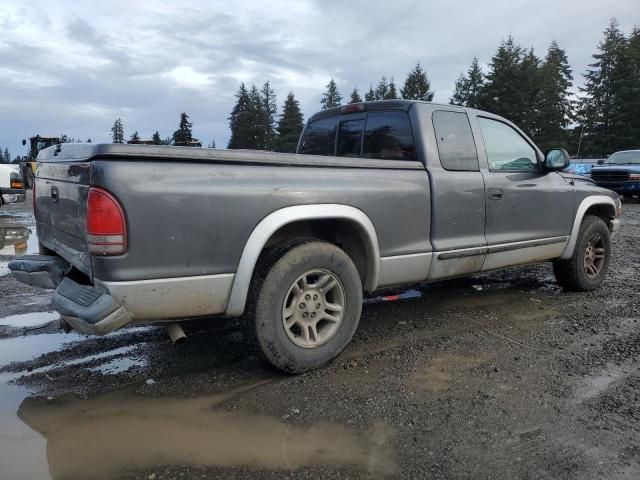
x: 176, y: 334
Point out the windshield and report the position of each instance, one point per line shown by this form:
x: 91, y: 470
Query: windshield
x: 625, y: 158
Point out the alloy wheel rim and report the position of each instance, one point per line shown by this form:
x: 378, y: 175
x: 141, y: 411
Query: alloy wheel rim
x: 313, y: 308
x: 594, y: 256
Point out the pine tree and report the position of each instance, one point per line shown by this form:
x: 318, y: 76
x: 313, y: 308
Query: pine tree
x: 331, y: 98
x: 290, y: 125
x: 370, y: 96
x: 507, y: 89
x: 117, y: 131
x: 7, y: 156
x: 355, y: 96
x: 260, y: 121
x: 269, y: 109
x: 392, y: 94
x: 135, y: 136
x: 88, y: 140
x: 240, y: 120
x: 212, y: 144
x: 601, y: 111
x: 530, y: 94
x: 468, y: 88
x: 155, y: 138
x: 556, y: 107
x: 183, y: 134
x: 417, y: 85
x: 631, y: 95
x: 382, y: 89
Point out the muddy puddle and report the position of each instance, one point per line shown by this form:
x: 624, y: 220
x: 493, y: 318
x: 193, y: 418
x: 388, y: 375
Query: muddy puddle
x: 99, y: 437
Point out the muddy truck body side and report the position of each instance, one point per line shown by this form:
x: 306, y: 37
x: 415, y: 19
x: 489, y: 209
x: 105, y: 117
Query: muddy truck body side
x: 380, y: 194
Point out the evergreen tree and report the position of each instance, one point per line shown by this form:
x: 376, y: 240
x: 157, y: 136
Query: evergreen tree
x: 240, y: 119
x: 260, y: 120
x: 417, y: 85
x: 331, y: 98
x: 555, y: 101
x: 513, y: 86
x: 6, y: 156
x: 88, y: 140
x: 502, y: 91
x: 212, y: 144
x: 155, y: 138
x: 117, y: 131
x: 355, y: 96
x: 468, y: 89
x: 269, y: 109
x: 183, y: 134
x: 631, y: 94
x: 135, y: 136
x: 392, y: 94
x: 460, y: 91
x: 1, y: 156
x: 530, y: 80
x: 290, y: 125
x: 370, y: 96
x: 601, y: 109
x: 382, y: 90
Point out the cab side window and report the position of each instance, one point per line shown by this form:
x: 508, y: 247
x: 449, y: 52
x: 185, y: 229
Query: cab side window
x: 506, y: 149
x: 456, y: 147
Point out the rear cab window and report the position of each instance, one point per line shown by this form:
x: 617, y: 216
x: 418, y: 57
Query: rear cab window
x: 383, y: 135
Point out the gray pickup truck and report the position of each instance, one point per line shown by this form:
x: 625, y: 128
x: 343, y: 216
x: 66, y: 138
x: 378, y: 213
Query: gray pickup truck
x: 379, y: 194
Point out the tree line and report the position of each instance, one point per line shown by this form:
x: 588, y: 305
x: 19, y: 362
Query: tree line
x: 535, y: 93
x: 182, y: 136
x: 5, y: 156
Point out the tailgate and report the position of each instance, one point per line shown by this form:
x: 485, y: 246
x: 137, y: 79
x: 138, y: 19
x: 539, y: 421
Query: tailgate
x: 60, y: 200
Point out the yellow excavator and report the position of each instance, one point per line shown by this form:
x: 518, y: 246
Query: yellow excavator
x: 28, y: 164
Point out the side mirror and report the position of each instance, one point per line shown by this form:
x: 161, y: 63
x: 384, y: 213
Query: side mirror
x: 556, y: 159
x: 24, y: 142
x: 600, y: 162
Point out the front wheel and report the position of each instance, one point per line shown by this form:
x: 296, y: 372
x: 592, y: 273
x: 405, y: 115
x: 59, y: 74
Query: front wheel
x: 305, y: 306
x: 588, y: 265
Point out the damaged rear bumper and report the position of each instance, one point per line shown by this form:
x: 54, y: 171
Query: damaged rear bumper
x: 86, y: 308
x: 102, y: 307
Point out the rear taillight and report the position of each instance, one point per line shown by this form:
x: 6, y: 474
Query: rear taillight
x: 106, y: 227
x: 16, y: 181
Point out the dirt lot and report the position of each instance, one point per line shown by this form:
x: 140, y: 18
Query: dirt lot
x: 501, y: 376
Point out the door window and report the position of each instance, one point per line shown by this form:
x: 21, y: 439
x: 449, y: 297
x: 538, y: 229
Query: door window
x: 456, y: 147
x: 506, y: 149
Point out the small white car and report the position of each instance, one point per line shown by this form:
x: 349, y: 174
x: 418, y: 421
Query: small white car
x: 11, y: 184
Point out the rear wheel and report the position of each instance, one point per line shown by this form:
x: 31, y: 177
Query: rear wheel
x: 588, y: 265
x: 305, y: 306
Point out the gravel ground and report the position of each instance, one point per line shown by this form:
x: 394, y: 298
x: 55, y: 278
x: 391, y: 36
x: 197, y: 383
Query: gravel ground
x: 500, y: 376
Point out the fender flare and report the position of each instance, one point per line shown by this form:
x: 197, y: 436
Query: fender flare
x: 586, y: 204
x: 276, y: 220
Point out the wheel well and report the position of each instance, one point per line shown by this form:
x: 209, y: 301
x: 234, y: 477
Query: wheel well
x: 342, y: 233
x: 605, y: 212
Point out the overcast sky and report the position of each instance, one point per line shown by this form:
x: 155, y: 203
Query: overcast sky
x: 73, y: 67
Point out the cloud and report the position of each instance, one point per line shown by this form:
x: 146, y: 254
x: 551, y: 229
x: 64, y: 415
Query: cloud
x: 73, y: 67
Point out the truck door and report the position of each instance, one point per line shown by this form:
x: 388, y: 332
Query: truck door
x: 458, y: 195
x: 529, y: 211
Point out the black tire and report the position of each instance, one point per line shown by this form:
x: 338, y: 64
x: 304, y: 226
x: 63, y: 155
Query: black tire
x: 572, y: 273
x: 272, y: 283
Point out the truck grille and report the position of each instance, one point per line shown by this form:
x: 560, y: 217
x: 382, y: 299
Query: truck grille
x: 610, y: 175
